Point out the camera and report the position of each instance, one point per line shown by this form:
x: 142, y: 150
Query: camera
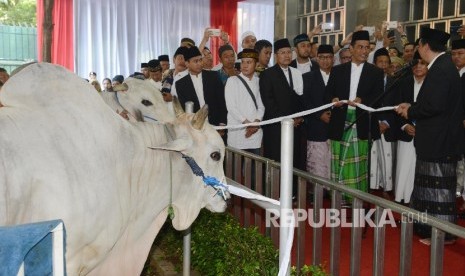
x: 392, y: 25
x: 327, y: 26
x: 215, y: 32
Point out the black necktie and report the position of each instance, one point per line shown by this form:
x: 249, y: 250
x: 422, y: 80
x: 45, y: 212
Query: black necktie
x: 290, y: 78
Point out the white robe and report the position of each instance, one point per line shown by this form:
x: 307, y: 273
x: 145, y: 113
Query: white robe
x: 381, y: 165
x: 405, y: 170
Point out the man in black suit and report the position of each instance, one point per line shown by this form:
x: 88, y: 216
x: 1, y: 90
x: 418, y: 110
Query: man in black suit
x: 318, y: 150
x: 358, y: 82
x: 439, y: 135
x: 202, y: 87
x: 458, y: 57
x: 302, y: 48
x: 281, y: 88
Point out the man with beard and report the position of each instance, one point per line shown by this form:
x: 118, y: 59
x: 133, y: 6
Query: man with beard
x: 303, y: 48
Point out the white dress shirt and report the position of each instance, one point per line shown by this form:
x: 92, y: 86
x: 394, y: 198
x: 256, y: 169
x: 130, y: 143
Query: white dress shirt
x: 241, y: 107
x: 297, y: 80
x: 355, y: 74
x: 198, y: 86
x: 461, y: 71
x: 325, y: 76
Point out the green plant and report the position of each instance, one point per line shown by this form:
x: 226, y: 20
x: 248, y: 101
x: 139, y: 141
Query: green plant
x: 310, y: 270
x: 220, y: 246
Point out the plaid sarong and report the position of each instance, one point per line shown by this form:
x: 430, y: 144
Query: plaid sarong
x: 349, y: 158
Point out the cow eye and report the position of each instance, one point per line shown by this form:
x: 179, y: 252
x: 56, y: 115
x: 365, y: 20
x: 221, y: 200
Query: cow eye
x: 216, y: 156
x: 147, y: 102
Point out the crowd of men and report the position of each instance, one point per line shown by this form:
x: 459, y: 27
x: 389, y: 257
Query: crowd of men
x: 415, y: 149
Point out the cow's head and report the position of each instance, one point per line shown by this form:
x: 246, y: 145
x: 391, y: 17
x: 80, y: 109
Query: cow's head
x: 191, y: 135
x: 196, y: 138
x: 143, y: 100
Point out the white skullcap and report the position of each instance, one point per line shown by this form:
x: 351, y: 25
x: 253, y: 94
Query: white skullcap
x: 246, y: 34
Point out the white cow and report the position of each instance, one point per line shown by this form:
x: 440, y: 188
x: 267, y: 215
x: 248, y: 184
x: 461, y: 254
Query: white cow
x: 64, y: 154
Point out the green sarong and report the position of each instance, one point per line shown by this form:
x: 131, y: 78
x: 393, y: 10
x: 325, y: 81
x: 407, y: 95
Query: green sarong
x: 349, y: 158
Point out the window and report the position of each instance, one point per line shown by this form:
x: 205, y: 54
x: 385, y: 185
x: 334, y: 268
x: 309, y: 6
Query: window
x: 433, y: 8
x: 448, y: 8
x: 337, y: 21
x: 316, y: 5
x: 308, y: 4
x: 440, y: 26
x: 303, y: 25
x: 418, y: 10
x: 332, y: 4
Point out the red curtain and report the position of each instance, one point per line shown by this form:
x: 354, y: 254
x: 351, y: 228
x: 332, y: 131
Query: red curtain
x: 62, y: 37
x: 223, y: 15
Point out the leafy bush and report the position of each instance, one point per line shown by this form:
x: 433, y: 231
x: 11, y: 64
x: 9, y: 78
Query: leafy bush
x: 220, y: 246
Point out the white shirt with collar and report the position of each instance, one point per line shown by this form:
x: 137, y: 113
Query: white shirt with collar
x: 461, y: 71
x: 297, y: 80
x: 241, y: 107
x: 198, y: 86
x: 355, y: 73
x: 325, y: 76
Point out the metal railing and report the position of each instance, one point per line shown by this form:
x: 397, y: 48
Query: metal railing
x: 262, y: 176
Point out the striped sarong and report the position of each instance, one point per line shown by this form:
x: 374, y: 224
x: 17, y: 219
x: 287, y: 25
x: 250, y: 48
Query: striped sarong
x: 349, y: 158
x: 434, y: 192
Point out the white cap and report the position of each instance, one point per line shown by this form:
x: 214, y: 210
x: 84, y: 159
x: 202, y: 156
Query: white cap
x: 246, y: 34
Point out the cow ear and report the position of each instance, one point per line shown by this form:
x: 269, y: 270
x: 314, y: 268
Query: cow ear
x: 179, y: 145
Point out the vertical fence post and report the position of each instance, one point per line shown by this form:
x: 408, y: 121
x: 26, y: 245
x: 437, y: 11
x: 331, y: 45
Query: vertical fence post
x: 287, y: 153
x: 186, y: 246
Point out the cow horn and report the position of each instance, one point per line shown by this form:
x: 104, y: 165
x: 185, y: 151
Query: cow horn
x: 200, y: 117
x: 120, y: 87
x: 178, y: 110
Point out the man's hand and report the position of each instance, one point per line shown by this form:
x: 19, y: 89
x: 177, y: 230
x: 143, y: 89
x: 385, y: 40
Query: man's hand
x: 402, y: 110
x: 410, y: 130
x: 353, y: 103
x: 316, y: 31
x: 383, y: 127
x: 167, y: 97
x: 358, y: 28
x: 326, y: 116
x: 206, y: 34
x: 298, y: 121
x: 461, y: 31
x: 336, y: 102
x: 225, y: 37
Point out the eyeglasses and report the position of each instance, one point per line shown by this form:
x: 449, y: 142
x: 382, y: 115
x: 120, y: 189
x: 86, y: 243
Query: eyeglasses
x: 345, y: 58
x: 325, y: 57
x: 288, y: 52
